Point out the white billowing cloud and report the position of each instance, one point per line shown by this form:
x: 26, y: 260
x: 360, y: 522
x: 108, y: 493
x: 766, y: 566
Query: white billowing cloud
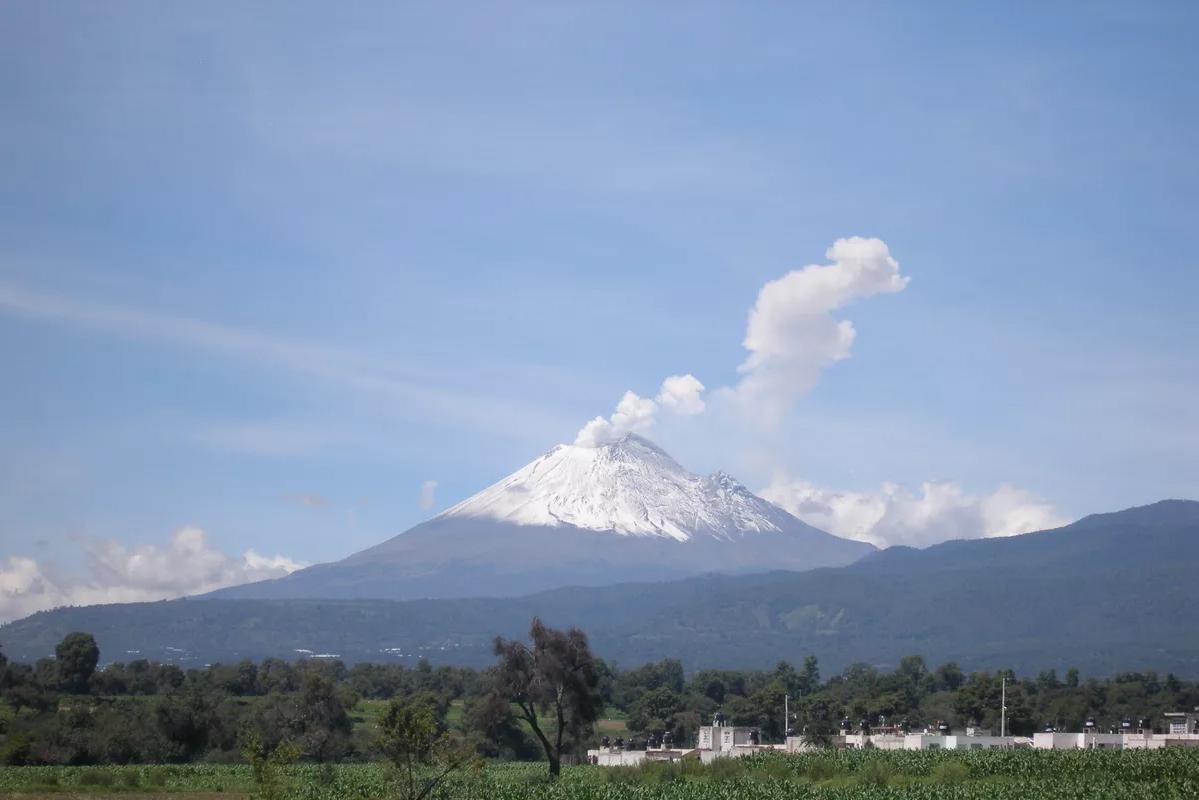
x: 279, y: 565
x: 682, y: 394
x: 19, y: 577
x: 792, y: 335
x: 116, y: 573
x: 895, y: 516
x: 428, y: 495
x: 679, y: 394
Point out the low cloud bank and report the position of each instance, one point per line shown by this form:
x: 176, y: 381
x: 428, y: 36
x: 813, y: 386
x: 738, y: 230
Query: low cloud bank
x: 896, y: 516
x: 116, y: 573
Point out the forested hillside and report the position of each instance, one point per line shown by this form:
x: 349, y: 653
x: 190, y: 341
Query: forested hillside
x: 1105, y: 594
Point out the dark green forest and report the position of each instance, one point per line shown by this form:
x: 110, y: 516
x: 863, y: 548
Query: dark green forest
x: 71, y: 710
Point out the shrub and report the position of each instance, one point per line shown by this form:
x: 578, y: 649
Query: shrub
x: 725, y: 769
x: 16, y: 750
x: 877, y: 772
x: 951, y: 772
x: 96, y: 777
x: 621, y: 774
x: 823, y: 768
x: 656, y: 773
x: 778, y: 769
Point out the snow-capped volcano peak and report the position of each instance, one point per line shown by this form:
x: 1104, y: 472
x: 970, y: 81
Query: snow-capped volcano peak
x: 578, y: 516
x: 629, y: 487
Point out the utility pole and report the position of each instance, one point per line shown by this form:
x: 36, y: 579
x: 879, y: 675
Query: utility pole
x: 1003, y: 707
x: 786, y: 716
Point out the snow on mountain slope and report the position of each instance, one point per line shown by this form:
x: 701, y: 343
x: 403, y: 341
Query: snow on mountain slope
x: 577, y: 516
x: 630, y: 487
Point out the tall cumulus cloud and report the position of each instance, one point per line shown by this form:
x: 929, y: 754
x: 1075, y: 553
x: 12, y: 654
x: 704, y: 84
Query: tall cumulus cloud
x: 791, y: 336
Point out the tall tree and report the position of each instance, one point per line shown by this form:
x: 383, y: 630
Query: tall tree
x: 323, y: 724
x: 810, y: 677
x: 489, y: 724
x: 75, y: 659
x: 949, y: 676
x: 267, y: 765
x: 554, y: 675
x: 410, y: 735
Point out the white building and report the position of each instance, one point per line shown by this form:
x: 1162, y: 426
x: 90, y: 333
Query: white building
x: 728, y: 741
x: 1062, y: 740
x: 1182, y: 723
x: 926, y: 741
x: 714, y: 741
x: 1181, y: 730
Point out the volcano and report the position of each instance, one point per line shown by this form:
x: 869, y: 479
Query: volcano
x: 576, y: 516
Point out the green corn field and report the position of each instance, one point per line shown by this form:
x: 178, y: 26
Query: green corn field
x: 848, y: 775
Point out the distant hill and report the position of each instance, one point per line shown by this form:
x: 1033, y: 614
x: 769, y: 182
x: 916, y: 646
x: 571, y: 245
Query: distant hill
x: 1108, y: 593
x: 576, y: 516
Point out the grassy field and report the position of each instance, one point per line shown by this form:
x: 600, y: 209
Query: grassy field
x: 1006, y: 775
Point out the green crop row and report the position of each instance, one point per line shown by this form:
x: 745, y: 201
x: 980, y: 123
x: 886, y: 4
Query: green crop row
x: 1120, y: 765
x: 844, y: 775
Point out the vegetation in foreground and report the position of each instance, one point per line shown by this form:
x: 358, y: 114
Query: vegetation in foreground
x: 277, y: 730
x: 66, y: 711
x: 853, y: 775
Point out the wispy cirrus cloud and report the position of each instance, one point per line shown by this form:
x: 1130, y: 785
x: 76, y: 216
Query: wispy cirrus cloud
x: 275, y: 438
x: 308, y: 499
x: 344, y: 368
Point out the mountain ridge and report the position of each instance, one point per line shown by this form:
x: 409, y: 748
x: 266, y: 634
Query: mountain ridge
x: 1103, y: 597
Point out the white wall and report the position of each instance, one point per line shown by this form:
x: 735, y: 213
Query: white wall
x: 611, y: 757
x: 1077, y: 741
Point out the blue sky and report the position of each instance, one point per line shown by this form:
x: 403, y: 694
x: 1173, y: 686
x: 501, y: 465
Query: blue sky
x: 266, y: 270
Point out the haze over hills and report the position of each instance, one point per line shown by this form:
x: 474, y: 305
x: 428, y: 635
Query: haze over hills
x: 589, y: 516
x: 1108, y: 593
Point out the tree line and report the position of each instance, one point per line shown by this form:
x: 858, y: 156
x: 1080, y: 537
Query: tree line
x: 541, y: 700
